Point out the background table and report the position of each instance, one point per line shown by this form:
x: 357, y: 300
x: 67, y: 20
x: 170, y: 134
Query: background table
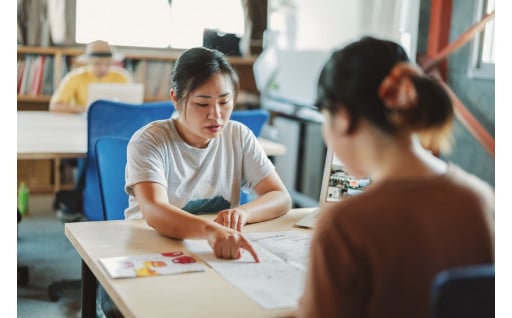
x: 47, y: 135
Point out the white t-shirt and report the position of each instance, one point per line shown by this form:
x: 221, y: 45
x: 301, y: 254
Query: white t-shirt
x: 197, y: 180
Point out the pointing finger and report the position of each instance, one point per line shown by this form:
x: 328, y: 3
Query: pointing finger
x: 248, y: 247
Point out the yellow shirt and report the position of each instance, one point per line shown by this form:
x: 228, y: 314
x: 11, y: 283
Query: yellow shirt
x: 74, y: 87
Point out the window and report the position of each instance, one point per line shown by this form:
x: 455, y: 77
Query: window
x: 482, y: 50
x: 156, y: 23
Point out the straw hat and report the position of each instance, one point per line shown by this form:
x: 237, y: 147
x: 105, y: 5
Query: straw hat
x: 99, y: 50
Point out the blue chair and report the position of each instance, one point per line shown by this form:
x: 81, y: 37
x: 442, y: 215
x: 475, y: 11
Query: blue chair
x: 111, y: 162
x: 255, y: 119
x: 110, y: 118
x: 107, y: 118
x: 464, y: 292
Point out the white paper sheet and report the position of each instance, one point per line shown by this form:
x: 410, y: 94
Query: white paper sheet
x: 291, y: 246
x: 278, y: 280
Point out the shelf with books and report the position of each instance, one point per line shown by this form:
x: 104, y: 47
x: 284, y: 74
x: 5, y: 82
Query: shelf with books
x: 154, y: 74
x: 40, y: 70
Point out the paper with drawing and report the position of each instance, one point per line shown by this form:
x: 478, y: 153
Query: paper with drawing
x: 274, y: 283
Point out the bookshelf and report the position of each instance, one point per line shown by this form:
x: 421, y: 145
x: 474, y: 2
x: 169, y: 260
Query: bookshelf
x: 43, y: 63
x: 40, y: 70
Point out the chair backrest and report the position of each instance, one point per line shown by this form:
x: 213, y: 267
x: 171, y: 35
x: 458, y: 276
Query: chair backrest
x: 464, y: 292
x: 110, y: 118
x: 111, y: 163
x: 255, y: 119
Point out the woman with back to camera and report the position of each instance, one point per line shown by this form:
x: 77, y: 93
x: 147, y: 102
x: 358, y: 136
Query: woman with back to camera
x: 376, y: 254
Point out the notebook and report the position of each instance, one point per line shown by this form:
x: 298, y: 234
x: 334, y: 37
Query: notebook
x: 337, y: 184
x: 120, y: 92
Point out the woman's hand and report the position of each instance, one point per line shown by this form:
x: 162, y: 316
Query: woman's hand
x: 226, y: 243
x: 232, y: 218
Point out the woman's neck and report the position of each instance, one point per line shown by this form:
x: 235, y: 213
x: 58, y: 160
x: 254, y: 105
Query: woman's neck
x: 403, y: 157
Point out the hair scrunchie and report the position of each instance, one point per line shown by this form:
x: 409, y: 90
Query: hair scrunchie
x: 397, y: 90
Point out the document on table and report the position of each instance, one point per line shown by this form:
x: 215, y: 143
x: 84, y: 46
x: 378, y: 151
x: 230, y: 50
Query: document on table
x: 274, y: 283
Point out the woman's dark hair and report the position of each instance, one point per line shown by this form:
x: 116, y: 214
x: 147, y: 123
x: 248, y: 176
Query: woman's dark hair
x: 195, y: 66
x: 352, y: 76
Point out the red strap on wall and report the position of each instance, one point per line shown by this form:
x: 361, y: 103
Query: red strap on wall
x: 436, y: 63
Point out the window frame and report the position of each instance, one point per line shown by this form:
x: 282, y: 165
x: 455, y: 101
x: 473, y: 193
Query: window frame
x: 478, y: 69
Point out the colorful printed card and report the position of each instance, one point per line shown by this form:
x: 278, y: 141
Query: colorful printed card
x: 168, y: 263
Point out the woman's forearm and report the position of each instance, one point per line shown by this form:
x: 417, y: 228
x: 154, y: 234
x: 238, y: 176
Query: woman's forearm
x: 267, y: 206
x: 176, y: 223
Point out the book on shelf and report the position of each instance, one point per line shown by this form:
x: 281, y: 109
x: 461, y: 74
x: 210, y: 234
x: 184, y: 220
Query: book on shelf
x: 138, y: 69
x: 37, y: 76
x: 26, y: 77
x: 167, y: 263
x: 64, y: 70
x: 165, y: 82
x: 155, y: 75
x: 21, y: 70
x: 47, y: 88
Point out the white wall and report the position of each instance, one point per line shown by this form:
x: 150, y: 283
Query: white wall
x: 329, y: 24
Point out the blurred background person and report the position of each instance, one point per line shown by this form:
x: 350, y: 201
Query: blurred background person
x: 98, y: 66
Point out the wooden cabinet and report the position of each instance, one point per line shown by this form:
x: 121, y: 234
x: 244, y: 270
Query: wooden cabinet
x: 37, y: 175
x: 40, y: 71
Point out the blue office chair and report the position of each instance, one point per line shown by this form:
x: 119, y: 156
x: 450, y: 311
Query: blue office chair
x: 464, y: 292
x: 107, y: 118
x: 255, y: 119
x: 111, y: 162
x: 110, y: 118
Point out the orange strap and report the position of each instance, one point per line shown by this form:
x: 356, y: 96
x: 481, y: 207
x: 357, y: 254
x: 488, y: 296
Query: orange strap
x: 455, y: 45
x: 470, y: 122
x: 462, y: 113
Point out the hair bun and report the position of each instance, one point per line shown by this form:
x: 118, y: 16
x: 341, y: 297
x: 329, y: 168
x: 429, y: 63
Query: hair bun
x: 397, y: 90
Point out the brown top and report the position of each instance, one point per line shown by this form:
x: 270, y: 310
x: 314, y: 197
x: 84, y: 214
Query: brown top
x: 376, y: 254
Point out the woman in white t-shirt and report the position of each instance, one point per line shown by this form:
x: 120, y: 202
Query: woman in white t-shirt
x: 197, y: 162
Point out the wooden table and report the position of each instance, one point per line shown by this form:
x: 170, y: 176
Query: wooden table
x: 47, y: 135
x: 56, y: 136
x: 204, y: 294
x: 272, y: 148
